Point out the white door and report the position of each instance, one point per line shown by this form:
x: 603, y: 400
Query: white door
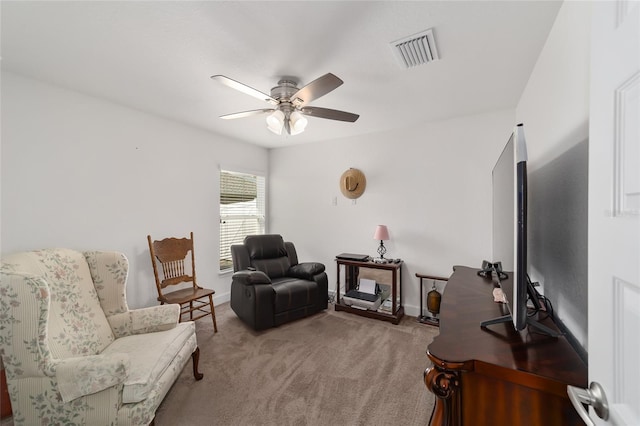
x: 614, y: 212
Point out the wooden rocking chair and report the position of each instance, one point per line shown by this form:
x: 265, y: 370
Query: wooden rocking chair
x: 171, y: 255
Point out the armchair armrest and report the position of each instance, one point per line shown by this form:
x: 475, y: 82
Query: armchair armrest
x: 248, y: 277
x: 82, y: 376
x: 306, y: 270
x: 145, y: 320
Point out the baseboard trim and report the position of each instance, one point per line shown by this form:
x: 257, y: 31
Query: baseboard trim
x: 221, y: 298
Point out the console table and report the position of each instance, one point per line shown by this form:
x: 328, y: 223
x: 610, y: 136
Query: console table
x: 497, y: 375
x: 352, y: 270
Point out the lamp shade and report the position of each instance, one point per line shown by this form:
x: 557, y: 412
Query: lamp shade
x: 275, y: 121
x: 382, y: 233
x: 297, y: 122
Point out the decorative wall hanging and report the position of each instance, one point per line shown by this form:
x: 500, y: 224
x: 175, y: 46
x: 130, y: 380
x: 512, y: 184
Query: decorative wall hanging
x: 352, y: 183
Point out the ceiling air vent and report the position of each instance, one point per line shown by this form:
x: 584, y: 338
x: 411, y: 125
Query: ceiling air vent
x: 416, y: 50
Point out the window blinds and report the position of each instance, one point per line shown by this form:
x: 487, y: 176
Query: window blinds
x: 242, y: 211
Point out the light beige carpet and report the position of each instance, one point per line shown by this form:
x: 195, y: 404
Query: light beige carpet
x: 333, y: 368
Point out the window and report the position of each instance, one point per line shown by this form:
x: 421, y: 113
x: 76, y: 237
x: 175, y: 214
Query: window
x: 242, y: 211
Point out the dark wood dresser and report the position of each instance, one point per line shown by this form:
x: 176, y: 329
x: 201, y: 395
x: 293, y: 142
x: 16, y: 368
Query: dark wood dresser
x: 496, y: 375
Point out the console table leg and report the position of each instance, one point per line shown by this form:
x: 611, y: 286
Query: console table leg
x: 445, y: 386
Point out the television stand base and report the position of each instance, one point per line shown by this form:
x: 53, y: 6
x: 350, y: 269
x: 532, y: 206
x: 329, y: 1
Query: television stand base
x: 530, y: 322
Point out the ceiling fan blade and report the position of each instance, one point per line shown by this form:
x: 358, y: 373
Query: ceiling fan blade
x: 331, y: 114
x: 245, y: 114
x: 317, y: 88
x: 244, y: 89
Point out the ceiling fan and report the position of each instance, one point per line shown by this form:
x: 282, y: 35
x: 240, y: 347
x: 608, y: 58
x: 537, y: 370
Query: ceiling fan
x: 291, y: 104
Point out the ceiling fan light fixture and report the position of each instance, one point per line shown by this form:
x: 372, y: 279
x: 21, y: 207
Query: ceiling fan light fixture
x: 297, y: 122
x: 291, y: 103
x: 275, y: 122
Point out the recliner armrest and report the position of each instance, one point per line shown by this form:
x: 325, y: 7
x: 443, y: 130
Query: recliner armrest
x: 251, y: 277
x: 306, y: 270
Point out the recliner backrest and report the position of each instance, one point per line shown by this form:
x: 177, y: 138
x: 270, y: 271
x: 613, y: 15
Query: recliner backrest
x: 268, y: 253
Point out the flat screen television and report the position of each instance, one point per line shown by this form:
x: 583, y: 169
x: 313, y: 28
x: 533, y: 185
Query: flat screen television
x: 509, y: 231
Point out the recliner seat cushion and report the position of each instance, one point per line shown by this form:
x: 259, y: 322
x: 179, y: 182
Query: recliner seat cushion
x: 291, y: 293
x: 150, y: 354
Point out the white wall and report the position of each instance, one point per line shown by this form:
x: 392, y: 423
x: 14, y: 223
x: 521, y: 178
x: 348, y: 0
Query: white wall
x: 83, y: 173
x: 555, y: 111
x: 430, y: 184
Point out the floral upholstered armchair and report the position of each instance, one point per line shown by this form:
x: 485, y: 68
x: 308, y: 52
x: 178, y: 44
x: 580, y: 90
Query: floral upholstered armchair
x: 74, y: 353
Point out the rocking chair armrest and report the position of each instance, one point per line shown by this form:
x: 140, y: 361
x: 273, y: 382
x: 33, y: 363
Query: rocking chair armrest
x: 248, y: 277
x: 145, y: 320
x: 86, y: 375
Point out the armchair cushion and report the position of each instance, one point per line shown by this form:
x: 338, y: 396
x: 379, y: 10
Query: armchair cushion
x: 306, y: 270
x: 149, y: 355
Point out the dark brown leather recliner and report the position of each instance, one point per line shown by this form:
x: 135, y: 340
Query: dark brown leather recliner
x: 269, y: 287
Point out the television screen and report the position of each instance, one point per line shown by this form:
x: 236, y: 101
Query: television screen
x: 509, y: 180
x: 509, y: 186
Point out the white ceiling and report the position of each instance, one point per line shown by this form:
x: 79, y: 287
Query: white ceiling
x: 158, y: 56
